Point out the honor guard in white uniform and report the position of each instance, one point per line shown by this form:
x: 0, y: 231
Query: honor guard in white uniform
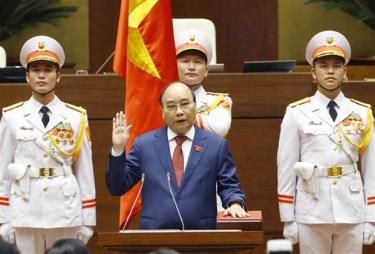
x: 326, y: 201
x: 214, y: 110
x: 47, y: 189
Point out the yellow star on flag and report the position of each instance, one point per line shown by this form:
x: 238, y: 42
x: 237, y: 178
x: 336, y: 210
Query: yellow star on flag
x: 138, y: 53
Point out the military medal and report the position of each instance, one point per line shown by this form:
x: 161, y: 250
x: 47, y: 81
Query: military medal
x: 357, y: 123
x: 64, y: 133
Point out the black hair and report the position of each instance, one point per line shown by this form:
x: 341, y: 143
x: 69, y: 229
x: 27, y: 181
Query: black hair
x: 167, y: 86
x: 68, y: 246
x: 8, y: 248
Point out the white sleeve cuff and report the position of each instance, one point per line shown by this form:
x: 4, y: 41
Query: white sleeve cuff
x: 115, y: 154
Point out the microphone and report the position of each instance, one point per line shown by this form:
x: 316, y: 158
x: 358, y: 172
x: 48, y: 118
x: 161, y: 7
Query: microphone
x: 135, y: 201
x: 174, y: 201
x: 105, y: 62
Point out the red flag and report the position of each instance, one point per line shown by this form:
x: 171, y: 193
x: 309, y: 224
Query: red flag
x: 145, y: 56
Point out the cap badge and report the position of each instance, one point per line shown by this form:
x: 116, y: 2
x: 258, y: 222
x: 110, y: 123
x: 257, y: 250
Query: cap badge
x: 192, y: 38
x: 41, y: 45
x: 330, y: 41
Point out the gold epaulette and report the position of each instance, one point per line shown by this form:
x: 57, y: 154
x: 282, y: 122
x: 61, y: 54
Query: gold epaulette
x: 361, y: 103
x: 217, y: 94
x: 16, y: 105
x: 77, y: 108
x: 296, y: 103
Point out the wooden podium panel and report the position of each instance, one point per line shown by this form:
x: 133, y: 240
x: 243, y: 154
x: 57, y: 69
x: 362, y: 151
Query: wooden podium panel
x: 252, y: 223
x: 189, y: 241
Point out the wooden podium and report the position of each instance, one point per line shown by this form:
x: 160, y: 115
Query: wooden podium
x: 228, y: 238
x: 188, y: 241
x: 232, y: 236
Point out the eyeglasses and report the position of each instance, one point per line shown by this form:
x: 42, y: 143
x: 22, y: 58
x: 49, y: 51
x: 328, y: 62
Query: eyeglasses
x: 174, y: 107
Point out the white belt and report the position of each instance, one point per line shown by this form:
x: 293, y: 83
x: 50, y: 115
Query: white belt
x: 49, y: 171
x: 336, y: 170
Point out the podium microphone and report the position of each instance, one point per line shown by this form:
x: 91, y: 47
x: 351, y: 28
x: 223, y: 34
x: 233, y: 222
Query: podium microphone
x: 135, y: 201
x: 105, y: 62
x: 174, y: 201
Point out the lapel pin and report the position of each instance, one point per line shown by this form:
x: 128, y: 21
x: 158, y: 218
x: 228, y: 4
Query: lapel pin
x: 198, y: 148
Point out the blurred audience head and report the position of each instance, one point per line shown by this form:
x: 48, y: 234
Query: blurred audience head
x: 8, y: 248
x: 68, y: 246
x: 164, y: 251
x: 279, y: 246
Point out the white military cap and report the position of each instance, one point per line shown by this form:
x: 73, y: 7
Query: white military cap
x: 191, y: 39
x: 328, y: 43
x: 42, y: 48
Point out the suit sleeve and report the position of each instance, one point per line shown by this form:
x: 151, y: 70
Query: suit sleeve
x: 85, y: 176
x: 123, y: 172
x: 7, y: 148
x: 287, y: 155
x: 229, y: 188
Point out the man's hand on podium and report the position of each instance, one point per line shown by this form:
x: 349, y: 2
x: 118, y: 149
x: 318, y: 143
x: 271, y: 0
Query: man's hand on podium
x: 236, y: 210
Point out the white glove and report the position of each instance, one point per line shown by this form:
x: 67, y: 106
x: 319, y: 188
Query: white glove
x: 7, y: 233
x: 368, y: 233
x: 85, y: 233
x: 290, y: 231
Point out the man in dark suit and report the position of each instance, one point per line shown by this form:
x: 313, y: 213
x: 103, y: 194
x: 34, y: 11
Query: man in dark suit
x: 179, y: 177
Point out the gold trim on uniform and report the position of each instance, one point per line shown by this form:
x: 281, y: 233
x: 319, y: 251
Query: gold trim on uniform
x: 88, y: 133
x: 217, y: 94
x: 300, y: 102
x: 77, y: 108
x: 16, y: 105
x: 361, y: 103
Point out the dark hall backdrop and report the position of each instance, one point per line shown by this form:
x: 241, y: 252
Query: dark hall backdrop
x: 245, y: 29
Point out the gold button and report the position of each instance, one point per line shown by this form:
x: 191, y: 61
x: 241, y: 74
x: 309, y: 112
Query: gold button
x: 45, y: 138
x: 45, y: 155
x: 45, y: 189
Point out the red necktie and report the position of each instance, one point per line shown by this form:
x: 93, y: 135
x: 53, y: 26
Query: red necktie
x: 178, y: 159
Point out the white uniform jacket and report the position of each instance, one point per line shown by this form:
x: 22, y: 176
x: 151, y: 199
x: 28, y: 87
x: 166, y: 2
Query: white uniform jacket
x: 46, y: 174
x: 309, y: 135
x: 214, y: 111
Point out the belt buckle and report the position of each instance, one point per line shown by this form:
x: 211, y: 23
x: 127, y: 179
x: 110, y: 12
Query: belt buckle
x: 46, y: 172
x: 335, y: 171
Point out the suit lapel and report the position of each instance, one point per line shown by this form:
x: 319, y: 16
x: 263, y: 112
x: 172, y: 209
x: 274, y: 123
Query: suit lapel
x: 161, y: 147
x: 197, y: 150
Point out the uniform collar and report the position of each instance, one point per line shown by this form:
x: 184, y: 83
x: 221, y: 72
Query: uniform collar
x: 200, y: 92
x: 320, y: 101
x: 36, y: 105
x: 189, y: 134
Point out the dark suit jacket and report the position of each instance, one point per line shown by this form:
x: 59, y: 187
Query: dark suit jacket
x: 209, y: 162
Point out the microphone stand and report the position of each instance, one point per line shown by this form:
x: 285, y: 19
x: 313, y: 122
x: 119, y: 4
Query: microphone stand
x: 105, y: 62
x: 135, y: 201
x: 174, y: 201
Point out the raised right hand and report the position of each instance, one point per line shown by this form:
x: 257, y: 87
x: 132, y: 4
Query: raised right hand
x: 120, y: 132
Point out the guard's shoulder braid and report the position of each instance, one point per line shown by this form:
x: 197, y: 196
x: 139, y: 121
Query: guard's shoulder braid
x: 16, y: 105
x: 300, y: 102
